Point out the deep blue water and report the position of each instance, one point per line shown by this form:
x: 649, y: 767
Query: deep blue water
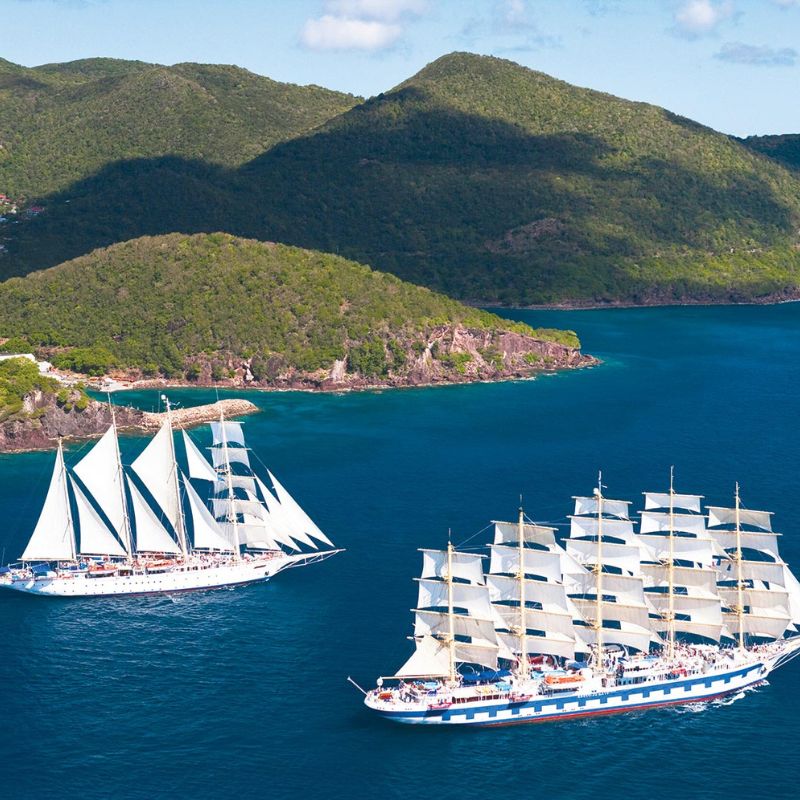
x: 242, y: 693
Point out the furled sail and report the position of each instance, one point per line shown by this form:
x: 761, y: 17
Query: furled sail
x: 95, y: 537
x: 199, y: 468
x: 101, y: 474
x: 151, y: 535
x: 53, y: 538
x: 156, y: 468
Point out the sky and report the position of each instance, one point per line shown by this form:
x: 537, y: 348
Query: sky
x: 730, y: 64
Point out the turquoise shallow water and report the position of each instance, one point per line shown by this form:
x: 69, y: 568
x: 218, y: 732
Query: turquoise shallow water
x: 243, y: 694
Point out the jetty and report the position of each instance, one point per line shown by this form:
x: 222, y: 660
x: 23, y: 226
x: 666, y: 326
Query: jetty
x: 198, y: 415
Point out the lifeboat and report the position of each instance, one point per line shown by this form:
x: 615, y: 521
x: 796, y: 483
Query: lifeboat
x: 564, y: 681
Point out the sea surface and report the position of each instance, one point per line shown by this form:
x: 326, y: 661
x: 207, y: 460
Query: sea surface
x: 242, y: 693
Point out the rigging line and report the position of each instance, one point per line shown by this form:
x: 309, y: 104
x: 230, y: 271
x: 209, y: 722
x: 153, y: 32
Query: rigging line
x: 477, y: 533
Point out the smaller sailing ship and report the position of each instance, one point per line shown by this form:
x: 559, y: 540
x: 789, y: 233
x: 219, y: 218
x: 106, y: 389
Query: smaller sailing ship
x: 104, y: 530
x: 691, y: 607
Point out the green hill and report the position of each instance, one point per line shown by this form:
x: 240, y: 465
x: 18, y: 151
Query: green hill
x: 477, y: 177
x: 784, y: 148
x: 189, y: 305
x: 60, y: 123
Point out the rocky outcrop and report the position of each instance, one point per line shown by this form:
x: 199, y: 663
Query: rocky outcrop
x: 44, y: 419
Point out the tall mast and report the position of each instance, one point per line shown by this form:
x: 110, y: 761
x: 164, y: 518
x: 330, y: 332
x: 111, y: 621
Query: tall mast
x: 70, y: 523
x: 232, y: 518
x: 126, y: 520
x: 523, y: 624
x: 671, y: 568
x: 739, y: 580
x: 598, y: 572
x: 181, y: 528
x: 451, y: 638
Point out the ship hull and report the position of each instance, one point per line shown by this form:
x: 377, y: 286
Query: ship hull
x: 186, y: 579
x: 617, y: 700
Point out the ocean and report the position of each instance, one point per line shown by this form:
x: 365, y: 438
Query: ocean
x: 243, y: 693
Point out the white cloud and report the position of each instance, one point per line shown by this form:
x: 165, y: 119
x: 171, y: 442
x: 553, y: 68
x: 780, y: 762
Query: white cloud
x: 787, y: 3
x: 341, y: 33
x: 383, y: 10
x: 757, y: 55
x: 359, y: 24
x: 700, y: 17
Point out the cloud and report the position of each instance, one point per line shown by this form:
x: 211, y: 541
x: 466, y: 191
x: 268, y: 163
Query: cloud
x: 757, y: 55
x: 511, y: 24
x: 359, y: 24
x: 340, y: 33
x: 695, y: 18
x: 787, y: 3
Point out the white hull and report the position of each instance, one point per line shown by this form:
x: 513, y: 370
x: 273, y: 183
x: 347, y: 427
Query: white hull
x: 193, y: 576
x: 528, y: 703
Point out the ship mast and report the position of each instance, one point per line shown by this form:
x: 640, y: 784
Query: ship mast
x: 671, y: 568
x: 126, y: 520
x: 451, y: 638
x: 598, y: 572
x: 66, y: 500
x: 181, y: 527
x: 232, y: 518
x: 524, y: 667
x: 739, y: 579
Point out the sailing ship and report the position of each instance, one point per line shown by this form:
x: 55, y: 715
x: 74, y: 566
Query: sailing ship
x: 107, y: 530
x: 691, y: 607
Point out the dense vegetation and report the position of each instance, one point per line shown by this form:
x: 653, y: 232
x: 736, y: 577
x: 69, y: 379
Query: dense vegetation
x: 60, y: 123
x: 784, y: 148
x: 163, y: 304
x: 18, y: 378
x: 476, y: 177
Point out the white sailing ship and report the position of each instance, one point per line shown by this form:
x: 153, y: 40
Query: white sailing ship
x: 106, y: 530
x: 692, y: 606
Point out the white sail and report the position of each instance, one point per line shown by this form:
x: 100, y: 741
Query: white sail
x: 551, y: 644
x: 151, y: 536
x: 282, y: 520
x: 621, y: 529
x: 537, y: 620
x: 591, y: 505
x: 156, y: 468
x: 750, y: 540
x: 465, y: 566
x: 207, y: 533
x: 765, y: 625
x: 229, y: 432
x: 707, y: 610
x: 508, y: 533
x: 684, y: 548
x: 759, y: 600
x: 621, y: 556
x: 727, y: 516
x: 475, y: 599
x: 53, y: 538
x: 505, y: 559
x: 438, y: 623
x: 431, y: 658
x: 793, y: 588
x: 300, y: 518
x: 95, y: 537
x: 686, y: 502
x: 224, y: 507
x: 237, y: 482
x: 661, y: 522
x: 698, y: 582
x: 99, y: 470
x: 199, y: 468
x: 629, y: 588
x: 229, y: 455
x: 618, y: 612
x: 769, y: 571
x: 626, y: 634
x: 503, y: 589
x: 472, y: 653
x: 255, y: 536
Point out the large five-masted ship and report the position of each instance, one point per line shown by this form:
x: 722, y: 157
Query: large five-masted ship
x: 691, y: 607
x: 104, y: 530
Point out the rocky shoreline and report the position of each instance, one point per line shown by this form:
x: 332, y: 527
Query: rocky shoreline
x: 45, y: 421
